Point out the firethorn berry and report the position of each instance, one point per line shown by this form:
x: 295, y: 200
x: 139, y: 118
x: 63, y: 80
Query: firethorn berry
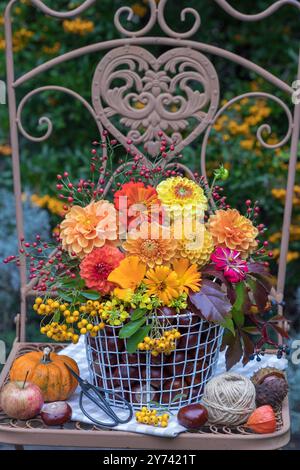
x: 270, y: 254
x: 66, y: 174
x: 248, y: 202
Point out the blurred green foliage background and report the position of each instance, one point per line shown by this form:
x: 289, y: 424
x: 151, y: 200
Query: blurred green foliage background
x: 255, y: 172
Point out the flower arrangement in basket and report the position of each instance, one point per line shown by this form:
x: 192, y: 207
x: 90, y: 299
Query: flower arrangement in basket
x: 158, y: 272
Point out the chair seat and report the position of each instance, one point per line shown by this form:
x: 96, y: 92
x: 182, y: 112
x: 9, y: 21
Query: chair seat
x: 76, y: 434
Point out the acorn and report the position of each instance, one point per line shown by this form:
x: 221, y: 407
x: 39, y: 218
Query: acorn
x: 271, y: 386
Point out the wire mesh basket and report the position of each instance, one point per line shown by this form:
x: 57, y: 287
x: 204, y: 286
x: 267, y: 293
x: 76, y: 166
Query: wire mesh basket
x: 172, y: 381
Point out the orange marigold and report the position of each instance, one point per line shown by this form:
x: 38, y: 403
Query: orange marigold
x: 86, y: 228
x: 97, y: 266
x: 232, y: 230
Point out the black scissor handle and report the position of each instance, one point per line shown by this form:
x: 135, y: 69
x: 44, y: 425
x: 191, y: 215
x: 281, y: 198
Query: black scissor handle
x: 101, y: 403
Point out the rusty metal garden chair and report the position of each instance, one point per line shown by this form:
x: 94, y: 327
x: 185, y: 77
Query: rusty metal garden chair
x: 157, y: 82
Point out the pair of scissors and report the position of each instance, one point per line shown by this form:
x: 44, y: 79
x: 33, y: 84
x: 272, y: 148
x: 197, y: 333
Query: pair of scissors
x: 97, y: 396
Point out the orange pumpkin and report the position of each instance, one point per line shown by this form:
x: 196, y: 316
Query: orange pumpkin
x: 48, y: 371
x: 262, y: 420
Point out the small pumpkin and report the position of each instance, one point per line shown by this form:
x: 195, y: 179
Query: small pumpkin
x: 262, y: 420
x: 48, y: 371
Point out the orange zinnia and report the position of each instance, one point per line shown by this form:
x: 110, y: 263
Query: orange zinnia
x: 232, y: 230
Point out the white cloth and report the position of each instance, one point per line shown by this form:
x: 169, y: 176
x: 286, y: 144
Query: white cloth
x: 78, y: 353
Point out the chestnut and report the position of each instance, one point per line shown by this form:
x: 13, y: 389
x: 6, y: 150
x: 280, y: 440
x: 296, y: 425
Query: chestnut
x: 143, y: 394
x: 56, y: 413
x: 189, y: 340
x: 192, y: 416
x: 186, y: 319
x: 198, y: 373
x: 135, y: 359
x: 167, y: 315
x: 122, y: 375
x: 156, y: 379
x: 179, y: 365
x: 172, y: 387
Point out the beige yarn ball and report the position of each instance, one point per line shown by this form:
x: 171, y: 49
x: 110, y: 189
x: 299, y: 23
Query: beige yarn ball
x: 229, y: 399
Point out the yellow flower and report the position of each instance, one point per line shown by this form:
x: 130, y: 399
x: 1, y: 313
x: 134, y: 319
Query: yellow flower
x: 247, y: 144
x: 78, y: 26
x: 55, y: 206
x: 179, y: 193
x: 163, y: 282
x: 128, y: 276
x: 5, y: 149
x: 52, y: 50
x: 231, y: 229
x: 152, y: 243
x: 86, y: 228
x: 139, y: 10
x: 188, y: 275
x: 197, y: 245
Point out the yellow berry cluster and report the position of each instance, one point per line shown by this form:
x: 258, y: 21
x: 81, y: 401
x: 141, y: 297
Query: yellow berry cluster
x: 147, y: 416
x: 86, y: 327
x: 59, y: 332
x: 164, y: 344
x: 48, y: 307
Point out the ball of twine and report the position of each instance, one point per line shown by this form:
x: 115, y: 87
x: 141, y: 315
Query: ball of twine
x: 229, y: 399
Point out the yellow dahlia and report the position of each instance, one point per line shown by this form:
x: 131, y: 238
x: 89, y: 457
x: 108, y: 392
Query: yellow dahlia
x: 152, y: 243
x: 86, y: 228
x: 188, y: 275
x: 180, y: 193
x: 232, y: 230
x: 162, y: 282
x: 197, y: 245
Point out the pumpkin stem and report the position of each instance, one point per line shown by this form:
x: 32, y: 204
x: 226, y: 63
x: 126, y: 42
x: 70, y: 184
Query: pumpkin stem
x: 25, y: 380
x: 46, y: 356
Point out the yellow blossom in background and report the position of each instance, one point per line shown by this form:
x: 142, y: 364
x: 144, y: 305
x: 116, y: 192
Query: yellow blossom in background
x: 139, y: 10
x: 280, y: 193
x: 55, y: 206
x: 5, y: 150
x: 291, y: 255
x: 1, y: 19
x: 52, y: 49
x: 247, y: 144
x: 21, y: 39
x: 78, y: 26
x: 2, y: 44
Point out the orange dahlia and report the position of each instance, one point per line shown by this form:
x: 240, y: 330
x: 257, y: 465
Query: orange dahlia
x: 86, y: 228
x: 137, y: 203
x: 232, y: 230
x: 152, y: 243
x: 97, y: 265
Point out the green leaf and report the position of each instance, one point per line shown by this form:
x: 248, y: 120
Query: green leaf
x: 237, y: 309
x: 66, y: 297
x: 136, y: 338
x: 179, y: 396
x: 229, y: 325
x: 130, y: 328
x: 90, y: 294
x: 56, y: 316
x: 137, y: 314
